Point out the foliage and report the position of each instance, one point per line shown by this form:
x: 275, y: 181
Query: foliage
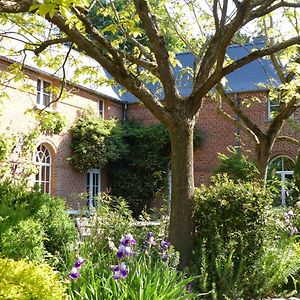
x: 25, y: 280
x: 95, y: 141
x: 143, y: 170
x: 296, y: 176
x: 237, y: 166
x: 33, y: 225
x: 50, y: 122
x: 147, y: 275
x: 231, y: 221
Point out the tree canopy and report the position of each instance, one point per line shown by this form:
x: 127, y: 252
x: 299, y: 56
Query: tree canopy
x: 205, y: 28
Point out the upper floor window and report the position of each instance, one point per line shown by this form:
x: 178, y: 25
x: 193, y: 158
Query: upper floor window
x: 273, y: 108
x: 42, y: 161
x: 43, y: 97
x: 101, y: 108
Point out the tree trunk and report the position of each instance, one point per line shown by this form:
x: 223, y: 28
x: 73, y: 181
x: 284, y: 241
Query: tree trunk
x: 263, y: 150
x: 181, y: 229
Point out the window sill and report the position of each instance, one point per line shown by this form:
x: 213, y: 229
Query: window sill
x: 44, y: 108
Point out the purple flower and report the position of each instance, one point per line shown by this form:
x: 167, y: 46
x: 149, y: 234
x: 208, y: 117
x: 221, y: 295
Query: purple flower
x: 79, y: 262
x: 74, y: 273
x: 121, y: 271
x: 150, y: 239
x: 128, y: 240
x: 164, y: 256
x: 124, y: 251
x: 294, y: 231
x: 165, y: 245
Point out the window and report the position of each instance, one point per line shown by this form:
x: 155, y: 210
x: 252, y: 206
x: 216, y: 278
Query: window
x: 273, y: 108
x: 282, y: 168
x: 101, y: 108
x: 43, y: 94
x: 93, y: 186
x: 43, y: 164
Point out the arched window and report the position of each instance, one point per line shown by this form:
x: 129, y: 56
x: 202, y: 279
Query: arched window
x: 43, y: 162
x: 283, y: 168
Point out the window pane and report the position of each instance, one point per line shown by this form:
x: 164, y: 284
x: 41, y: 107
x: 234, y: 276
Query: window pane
x: 39, y: 85
x: 46, y: 99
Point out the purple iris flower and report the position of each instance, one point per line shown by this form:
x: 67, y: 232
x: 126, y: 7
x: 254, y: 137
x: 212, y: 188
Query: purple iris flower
x: 74, y: 273
x: 164, y: 256
x: 79, y: 262
x: 294, y: 231
x: 165, y: 245
x: 150, y: 239
x: 128, y: 240
x: 121, y: 271
x: 124, y: 251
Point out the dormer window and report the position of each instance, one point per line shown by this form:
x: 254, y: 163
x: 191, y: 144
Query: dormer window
x: 43, y: 98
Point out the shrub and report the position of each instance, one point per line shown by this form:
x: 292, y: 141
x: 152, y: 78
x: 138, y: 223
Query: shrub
x: 25, y: 239
x: 231, y: 221
x: 24, y: 280
x: 95, y: 141
x: 237, y: 166
x: 32, y: 224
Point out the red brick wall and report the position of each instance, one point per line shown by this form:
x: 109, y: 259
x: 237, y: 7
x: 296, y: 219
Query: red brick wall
x: 66, y: 181
x: 218, y: 133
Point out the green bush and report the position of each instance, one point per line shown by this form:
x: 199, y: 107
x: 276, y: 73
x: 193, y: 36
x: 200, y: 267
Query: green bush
x: 25, y: 239
x: 22, y: 280
x: 237, y: 166
x: 231, y: 222
x: 33, y: 224
x: 95, y: 141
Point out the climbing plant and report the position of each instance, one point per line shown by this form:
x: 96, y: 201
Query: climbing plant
x: 95, y: 141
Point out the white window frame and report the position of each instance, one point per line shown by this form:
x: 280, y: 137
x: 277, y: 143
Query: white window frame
x: 272, y: 103
x: 42, y: 94
x: 283, y: 174
x: 91, y: 193
x: 101, y: 108
x: 43, y: 165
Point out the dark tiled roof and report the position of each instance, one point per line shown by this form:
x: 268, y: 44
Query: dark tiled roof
x: 252, y: 77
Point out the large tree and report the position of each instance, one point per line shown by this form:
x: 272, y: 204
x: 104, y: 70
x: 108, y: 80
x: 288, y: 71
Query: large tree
x: 217, y: 24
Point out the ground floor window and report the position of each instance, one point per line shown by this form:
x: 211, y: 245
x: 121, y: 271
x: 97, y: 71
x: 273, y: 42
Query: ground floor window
x: 42, y: 160
x: 283, y: 169
x: 93, y: 181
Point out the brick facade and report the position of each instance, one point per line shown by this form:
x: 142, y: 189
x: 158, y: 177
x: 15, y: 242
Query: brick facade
x: 65, y: 180
x: 217, y: 133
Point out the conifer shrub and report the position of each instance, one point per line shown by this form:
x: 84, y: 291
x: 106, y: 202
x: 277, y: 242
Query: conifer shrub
x: 23, y: 280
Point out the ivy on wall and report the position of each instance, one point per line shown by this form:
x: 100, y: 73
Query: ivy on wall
x: 95, y: 141
x: 136, y: 156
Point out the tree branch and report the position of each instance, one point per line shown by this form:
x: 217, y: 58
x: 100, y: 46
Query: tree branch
x: 258, y: 54
x: 158, y: 47
x: 48, y: 43
x: 119, y: 71
x: 284, y: 138
x: 247, y: 121
x: 19, y: 6
x: 233, y: 120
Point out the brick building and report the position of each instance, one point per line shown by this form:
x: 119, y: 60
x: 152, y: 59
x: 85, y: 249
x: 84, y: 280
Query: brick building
x: 58, y: 176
